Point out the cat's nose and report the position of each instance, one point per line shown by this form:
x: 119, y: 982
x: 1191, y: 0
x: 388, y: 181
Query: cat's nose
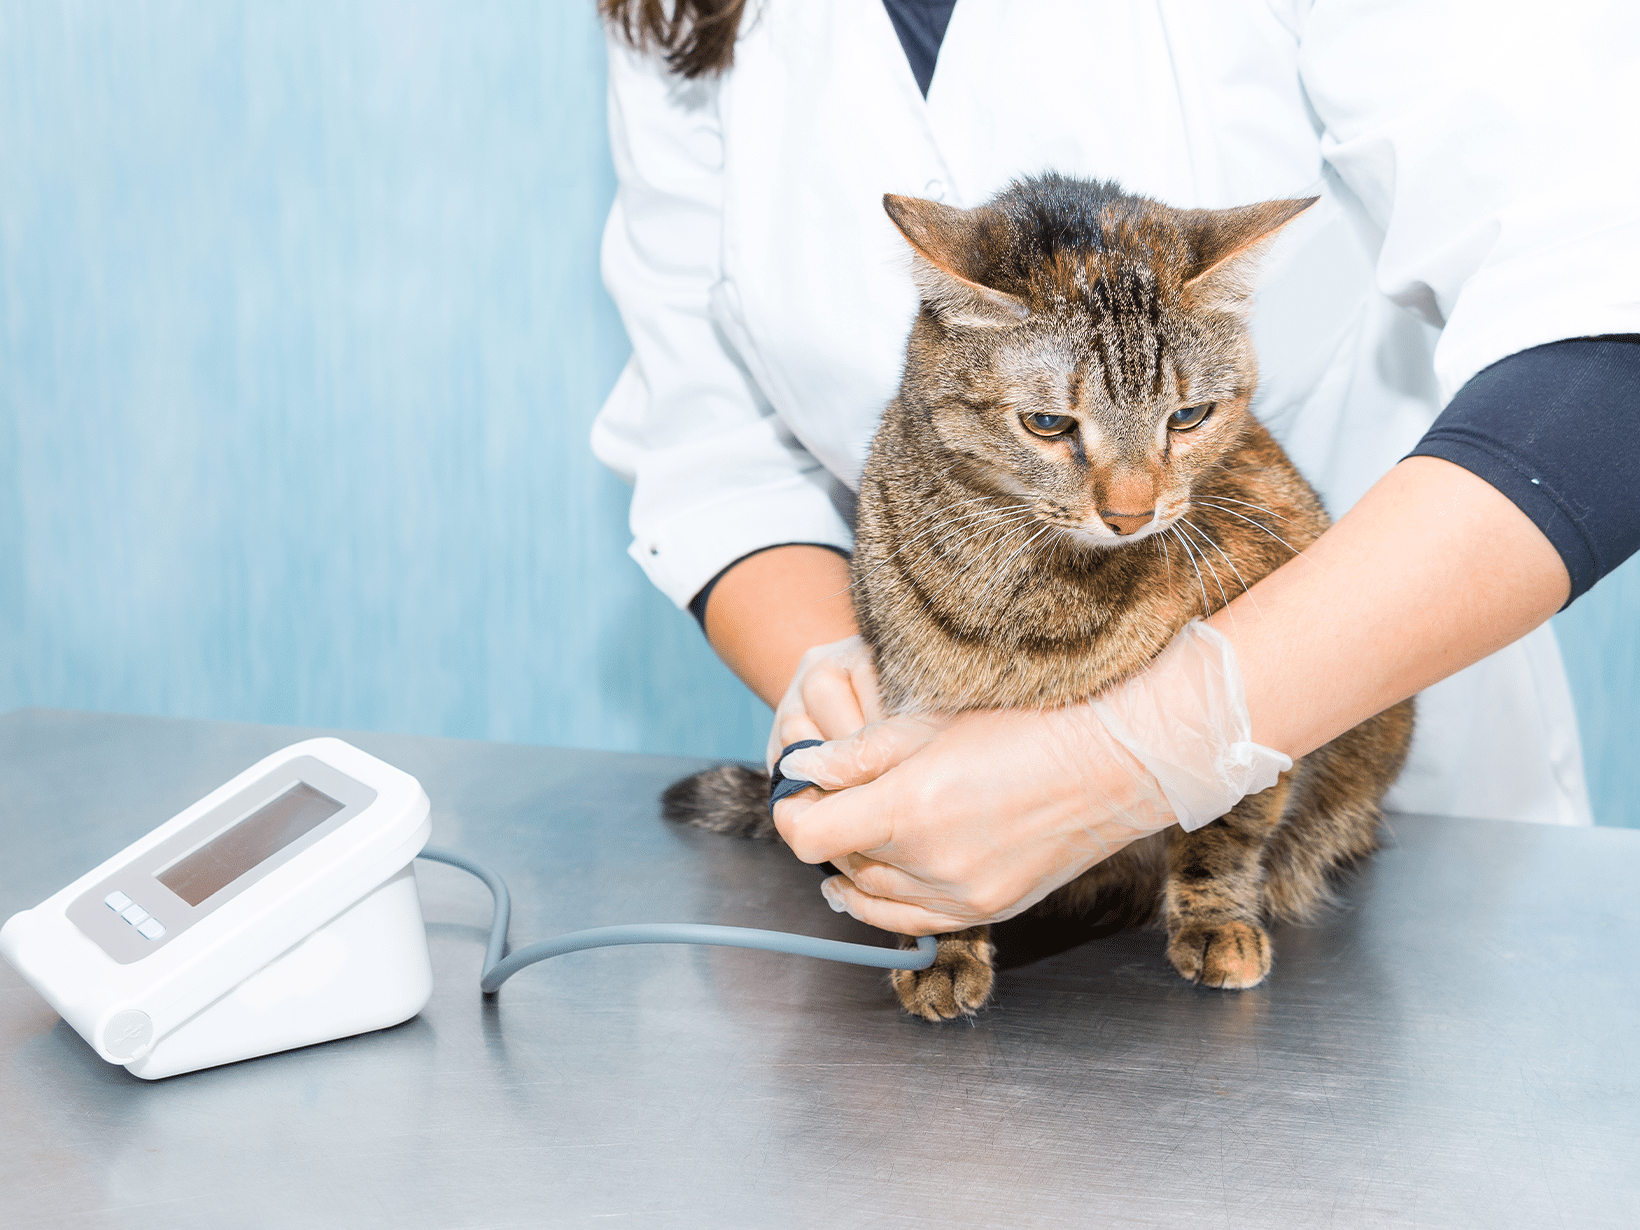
x: 1126, y: 523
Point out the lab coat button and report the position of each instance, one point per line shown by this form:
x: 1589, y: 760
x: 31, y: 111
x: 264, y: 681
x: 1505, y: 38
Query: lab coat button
x: 935, y: 190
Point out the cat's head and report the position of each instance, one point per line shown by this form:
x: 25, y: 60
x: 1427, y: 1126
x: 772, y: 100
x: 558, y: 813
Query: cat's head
x: 1084, y: 349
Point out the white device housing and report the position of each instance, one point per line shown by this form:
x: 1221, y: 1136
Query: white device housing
x: 278, y: 911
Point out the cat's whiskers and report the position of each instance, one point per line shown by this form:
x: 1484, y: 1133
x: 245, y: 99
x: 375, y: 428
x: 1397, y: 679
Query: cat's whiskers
x: 1214, y: 544
x: 963, y: 522
x: 988, y: 552
x: 1021, y: 517
x: 994, y: 549
x: 1185, y: 523
x: 970, y: 519
x: 1255, y: 507
x: 975, y: 517
x: 1000, y: 544
x: 1261, y: 526
x: 1207, y: 606
x: 1003, y: 567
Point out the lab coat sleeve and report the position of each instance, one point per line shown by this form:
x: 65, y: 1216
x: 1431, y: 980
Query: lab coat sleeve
x: 715, y: 472
x: 1492, y: 149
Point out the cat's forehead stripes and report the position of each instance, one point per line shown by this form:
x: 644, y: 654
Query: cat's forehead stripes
x: 1080, y: 372
x: 1117, y: 311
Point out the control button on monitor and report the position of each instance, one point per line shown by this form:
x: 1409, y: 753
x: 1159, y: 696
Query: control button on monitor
x: 153, y: 928
x: 134, y: 914
x: 116, y: 901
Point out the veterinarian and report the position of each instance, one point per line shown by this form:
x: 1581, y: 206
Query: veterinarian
x: 1459, y: 294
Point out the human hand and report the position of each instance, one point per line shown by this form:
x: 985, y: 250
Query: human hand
x: 832, y: 695
x: 939, y: 824
x: 952, y: 823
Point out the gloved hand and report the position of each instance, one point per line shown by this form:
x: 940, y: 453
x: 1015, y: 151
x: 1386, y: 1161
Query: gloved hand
x: 832, y: 695
x: 941, y: 824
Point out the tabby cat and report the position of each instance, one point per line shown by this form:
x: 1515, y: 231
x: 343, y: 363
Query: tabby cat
x: 1070, y: 473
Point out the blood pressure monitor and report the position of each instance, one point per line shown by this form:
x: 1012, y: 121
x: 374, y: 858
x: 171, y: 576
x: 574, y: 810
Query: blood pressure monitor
x: 278, y: 911
x: 281, y: 910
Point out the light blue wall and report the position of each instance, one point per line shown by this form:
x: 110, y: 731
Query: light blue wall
x: 1600, y: 637
x: 300, y: 335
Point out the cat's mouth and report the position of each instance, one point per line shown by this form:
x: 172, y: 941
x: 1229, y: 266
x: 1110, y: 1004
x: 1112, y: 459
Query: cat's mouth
x: 1100, y: 534
x: 1107, y: 531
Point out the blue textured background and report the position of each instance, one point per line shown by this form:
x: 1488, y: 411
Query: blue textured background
x: 300, y: 336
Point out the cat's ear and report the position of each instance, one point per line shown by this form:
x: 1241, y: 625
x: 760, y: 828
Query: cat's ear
x: 948, y: 261
x: 1227, y: 244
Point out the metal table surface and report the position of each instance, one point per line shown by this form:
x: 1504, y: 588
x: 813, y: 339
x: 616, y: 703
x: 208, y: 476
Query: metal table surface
x: 1454, y: 1047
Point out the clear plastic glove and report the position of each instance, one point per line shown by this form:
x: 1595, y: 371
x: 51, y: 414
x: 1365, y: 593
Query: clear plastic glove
x: 832, y: 695
x: 941, y: 824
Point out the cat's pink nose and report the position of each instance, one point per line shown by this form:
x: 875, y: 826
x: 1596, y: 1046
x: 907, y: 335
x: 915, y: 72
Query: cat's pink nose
x: 1126, y: 523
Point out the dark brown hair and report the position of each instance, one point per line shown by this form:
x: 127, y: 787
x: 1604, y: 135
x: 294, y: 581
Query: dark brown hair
x: 698, y: 37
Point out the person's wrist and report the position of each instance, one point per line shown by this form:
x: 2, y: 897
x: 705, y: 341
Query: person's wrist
x: 1117, y: 788
x: 1185, y: 719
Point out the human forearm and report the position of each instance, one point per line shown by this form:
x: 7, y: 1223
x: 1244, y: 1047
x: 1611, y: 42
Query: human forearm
x: 1431, y: 571
x: 769, y: 609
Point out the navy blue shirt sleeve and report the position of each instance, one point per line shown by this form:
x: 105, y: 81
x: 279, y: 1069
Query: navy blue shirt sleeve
x: 1557, y: 430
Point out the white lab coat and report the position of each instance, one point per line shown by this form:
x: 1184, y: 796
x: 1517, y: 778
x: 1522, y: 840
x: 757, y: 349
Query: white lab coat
x: 1467, y: 212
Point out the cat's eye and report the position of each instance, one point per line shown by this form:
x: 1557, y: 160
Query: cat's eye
x: 1049, y: 424
x: 1189, y: 416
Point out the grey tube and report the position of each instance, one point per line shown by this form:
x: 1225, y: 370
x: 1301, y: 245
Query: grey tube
x: 498, y: 969
x: 501, y: 919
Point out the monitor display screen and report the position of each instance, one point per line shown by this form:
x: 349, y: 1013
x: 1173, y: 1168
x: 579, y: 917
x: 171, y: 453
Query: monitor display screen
x: 256, y: 838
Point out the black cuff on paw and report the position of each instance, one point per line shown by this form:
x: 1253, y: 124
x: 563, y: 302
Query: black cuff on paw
x: 779, y: 786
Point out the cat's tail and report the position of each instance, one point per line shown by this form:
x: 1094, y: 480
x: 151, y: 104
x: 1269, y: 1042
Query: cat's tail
x: 730, y: 798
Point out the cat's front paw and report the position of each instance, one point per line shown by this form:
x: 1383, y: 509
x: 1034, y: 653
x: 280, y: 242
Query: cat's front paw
x: 1232, y: 955
x: 957, y: 984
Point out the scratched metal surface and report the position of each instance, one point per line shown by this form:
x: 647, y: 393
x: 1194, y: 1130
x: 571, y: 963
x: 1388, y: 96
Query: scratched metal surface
x: 1457, y: 1047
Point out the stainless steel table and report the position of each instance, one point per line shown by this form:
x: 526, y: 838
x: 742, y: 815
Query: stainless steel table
x: 1455, y: 1047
